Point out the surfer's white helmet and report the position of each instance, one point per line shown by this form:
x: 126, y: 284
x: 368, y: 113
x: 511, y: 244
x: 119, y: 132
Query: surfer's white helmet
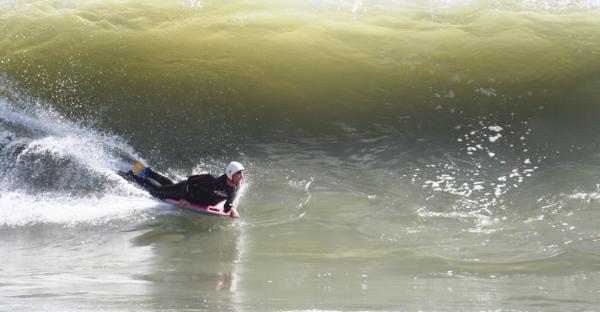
x: 233, y: 168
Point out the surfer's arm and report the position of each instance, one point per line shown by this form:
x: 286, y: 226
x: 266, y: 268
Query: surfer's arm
x: 228, y: 206
x: 230, y: 202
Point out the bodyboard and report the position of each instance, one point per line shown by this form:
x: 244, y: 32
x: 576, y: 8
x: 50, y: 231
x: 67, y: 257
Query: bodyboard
x: 216, y: 210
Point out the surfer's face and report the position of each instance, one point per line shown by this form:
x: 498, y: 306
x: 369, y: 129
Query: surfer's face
x: 237, y: 178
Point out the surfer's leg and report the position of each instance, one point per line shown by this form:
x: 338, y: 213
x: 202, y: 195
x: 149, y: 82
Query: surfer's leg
x: 170, y: 190
x: 158, y: 177
x: 148, y: 184
x: 174, y: 191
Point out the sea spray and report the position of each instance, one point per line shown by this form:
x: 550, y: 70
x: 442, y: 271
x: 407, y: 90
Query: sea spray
x: 54, y: 170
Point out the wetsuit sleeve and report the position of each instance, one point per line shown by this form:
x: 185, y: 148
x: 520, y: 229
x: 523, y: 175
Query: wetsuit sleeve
x: 232, y: 195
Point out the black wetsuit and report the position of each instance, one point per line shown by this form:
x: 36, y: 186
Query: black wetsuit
x: 204, y: 189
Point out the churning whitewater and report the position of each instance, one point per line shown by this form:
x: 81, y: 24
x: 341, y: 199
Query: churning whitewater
x: 53, y: 170
x: 400, y: 156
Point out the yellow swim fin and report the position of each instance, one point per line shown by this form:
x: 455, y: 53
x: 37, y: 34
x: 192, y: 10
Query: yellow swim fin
x: 138, y: 168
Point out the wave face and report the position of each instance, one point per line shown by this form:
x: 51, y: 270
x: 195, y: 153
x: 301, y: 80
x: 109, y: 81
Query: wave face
x: 364, y: 60
x: 401, y: 155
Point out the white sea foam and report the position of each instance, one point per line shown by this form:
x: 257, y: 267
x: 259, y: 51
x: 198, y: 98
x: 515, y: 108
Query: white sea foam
x: 20, y: 209
x: 42, y: 140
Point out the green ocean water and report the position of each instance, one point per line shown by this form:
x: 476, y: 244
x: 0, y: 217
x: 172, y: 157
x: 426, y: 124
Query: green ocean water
x: 268, y: 59
x: 401, y: 155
